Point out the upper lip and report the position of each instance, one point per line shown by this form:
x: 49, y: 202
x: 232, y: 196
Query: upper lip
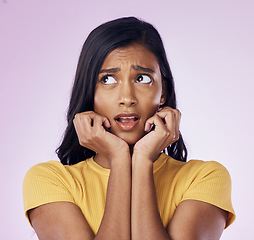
x: 122, y: 115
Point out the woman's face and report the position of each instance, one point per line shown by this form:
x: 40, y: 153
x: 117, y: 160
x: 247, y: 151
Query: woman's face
x: 129, y: 91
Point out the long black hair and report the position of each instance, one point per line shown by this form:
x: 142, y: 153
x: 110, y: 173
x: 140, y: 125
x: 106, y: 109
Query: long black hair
x: 100, y: 42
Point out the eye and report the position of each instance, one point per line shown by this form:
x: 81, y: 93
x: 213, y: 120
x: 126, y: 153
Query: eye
x: 143, y: 78
x: 108, y: 79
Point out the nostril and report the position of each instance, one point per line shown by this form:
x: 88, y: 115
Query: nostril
x: 127, y: 101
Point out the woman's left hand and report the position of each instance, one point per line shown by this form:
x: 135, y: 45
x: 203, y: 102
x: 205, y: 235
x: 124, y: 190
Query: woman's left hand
x: 166, y: 131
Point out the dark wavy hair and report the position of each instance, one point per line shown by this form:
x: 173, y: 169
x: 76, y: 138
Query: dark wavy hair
x: 100, y: 42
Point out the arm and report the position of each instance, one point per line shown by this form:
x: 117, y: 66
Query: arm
x: 197, y: 220
x: 116, y: 220
x: 60, y: 220
x: 64, y: 220
x: 145, y: 218
x: 192, y: 219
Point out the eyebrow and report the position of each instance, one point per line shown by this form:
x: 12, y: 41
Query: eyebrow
x: 109, y: 70
x: 136, y: 67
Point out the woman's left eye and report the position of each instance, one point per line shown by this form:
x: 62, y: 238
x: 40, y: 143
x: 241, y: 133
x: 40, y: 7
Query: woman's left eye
x: 142, y: 78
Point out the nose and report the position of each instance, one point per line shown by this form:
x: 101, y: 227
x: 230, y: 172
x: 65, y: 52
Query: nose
x: 127, y: 96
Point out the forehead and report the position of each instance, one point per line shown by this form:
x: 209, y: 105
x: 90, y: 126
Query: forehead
x: 134, y: 54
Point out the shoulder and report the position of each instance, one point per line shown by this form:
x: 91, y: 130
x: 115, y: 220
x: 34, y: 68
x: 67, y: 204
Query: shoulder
x: 205, y: 172
x: 49, y: 182
x: 53, y: 169
x: 52, y: 174
x: 46, y: 167
x: 195, y: 173
x: 208, y: 182
x: 199, y: 167
x: 186, y: 174
x: 47, y: 171
x: 41, y: 175
x: 193, y: 168
x: 204, y: 176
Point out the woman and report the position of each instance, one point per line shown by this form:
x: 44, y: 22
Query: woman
x: 114, y: 181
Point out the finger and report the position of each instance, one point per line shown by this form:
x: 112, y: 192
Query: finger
x: 177, y: 122
x: 168, y: 118
x: 164, y: 111
x: 88, y: 117
x: 85, y: 122
x: 98, y: 128
x: 177, y: 116
x: 172, y: 121
x: 85, y: 116
x: 148, y: 125
x: 161, y: 132
x: 82, y: 124
x: 154, y: 121
x: 106, y: 122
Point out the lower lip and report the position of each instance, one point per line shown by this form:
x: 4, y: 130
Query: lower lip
x: 127, y: 126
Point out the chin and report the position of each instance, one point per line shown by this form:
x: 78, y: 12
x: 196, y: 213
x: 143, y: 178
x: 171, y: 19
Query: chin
x: 131, y: 139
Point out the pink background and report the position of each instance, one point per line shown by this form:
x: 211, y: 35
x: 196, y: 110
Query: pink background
x: 210, y: 48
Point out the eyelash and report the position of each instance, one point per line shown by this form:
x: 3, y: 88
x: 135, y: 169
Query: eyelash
x: 139, y: 75
x: 104, y: 77
x: 147, y: 75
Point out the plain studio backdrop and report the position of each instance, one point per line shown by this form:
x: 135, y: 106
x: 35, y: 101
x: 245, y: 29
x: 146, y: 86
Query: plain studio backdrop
x: 210, y: 49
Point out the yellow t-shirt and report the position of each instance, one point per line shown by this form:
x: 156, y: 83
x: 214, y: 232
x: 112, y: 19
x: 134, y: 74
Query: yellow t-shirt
x: 85, y: 184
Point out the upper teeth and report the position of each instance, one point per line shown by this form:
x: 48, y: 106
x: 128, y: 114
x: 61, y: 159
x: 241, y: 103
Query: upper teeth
x: 126, y: 117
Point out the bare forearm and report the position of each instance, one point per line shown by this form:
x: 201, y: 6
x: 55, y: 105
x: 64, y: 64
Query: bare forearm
x: 145, y: 218
x: 116, y: 220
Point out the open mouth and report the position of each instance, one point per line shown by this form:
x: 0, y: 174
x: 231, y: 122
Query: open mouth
x: 127, y: 122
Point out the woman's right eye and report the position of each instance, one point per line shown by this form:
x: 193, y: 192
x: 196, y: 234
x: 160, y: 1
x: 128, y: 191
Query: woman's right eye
x: 108, y: 79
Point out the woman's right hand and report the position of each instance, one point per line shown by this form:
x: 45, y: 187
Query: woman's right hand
x: 91, y: 130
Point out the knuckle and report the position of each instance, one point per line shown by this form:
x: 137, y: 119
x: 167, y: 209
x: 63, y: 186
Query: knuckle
x: 96, y: 118
x: 175, y: 137
x: 166, y: 108
x: 178, y: 113
x: 166, y: 134
x: 82, y: 142
x: 88, y: 138
x: 95, y: 135
x: 157, y: 116
x: 77, y: 115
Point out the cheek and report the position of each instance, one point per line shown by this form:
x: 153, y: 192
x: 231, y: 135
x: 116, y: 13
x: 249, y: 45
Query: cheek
x: 105, y: 103
x: 101, y: 103
x: 149, y: 107
x: 153, y: 101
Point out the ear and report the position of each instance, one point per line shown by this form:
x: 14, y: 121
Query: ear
x: 163, y: 95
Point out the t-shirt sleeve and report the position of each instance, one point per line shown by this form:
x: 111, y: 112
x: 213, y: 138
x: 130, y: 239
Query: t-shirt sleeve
x: 46, y: 183
x: 210, y: 182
